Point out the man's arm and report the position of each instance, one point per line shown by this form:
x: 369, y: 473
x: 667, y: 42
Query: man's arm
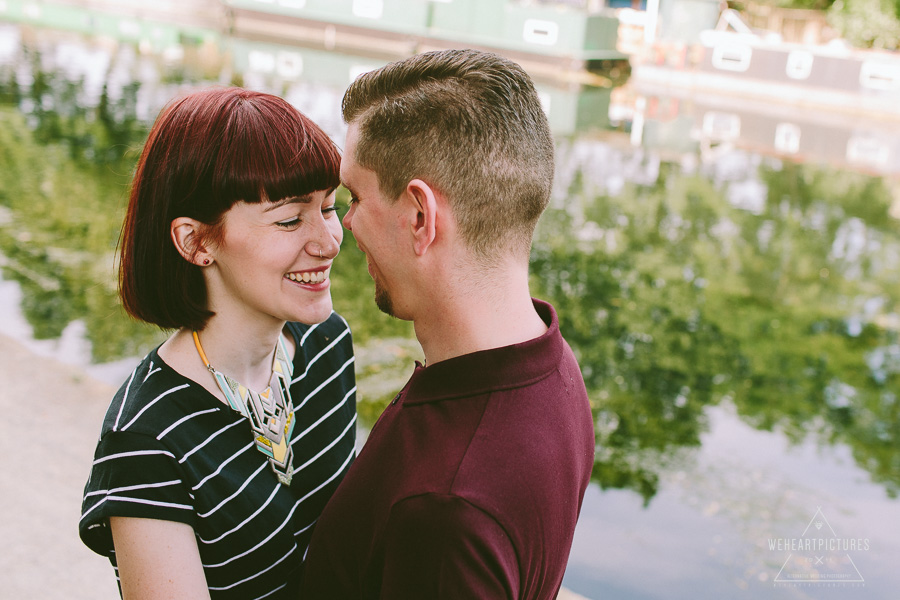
x: 440, y: 546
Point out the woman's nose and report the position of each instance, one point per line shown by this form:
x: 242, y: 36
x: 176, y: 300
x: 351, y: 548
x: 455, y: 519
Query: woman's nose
x: 326, y: 242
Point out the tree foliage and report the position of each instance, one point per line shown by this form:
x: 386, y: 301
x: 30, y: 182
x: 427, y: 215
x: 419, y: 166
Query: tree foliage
x: 867, y: 23
x: 678, y: 301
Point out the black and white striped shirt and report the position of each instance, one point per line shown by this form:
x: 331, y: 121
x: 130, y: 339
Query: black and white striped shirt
x: 170, y: 450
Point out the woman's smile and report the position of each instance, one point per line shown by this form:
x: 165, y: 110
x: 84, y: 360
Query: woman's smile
x: 315, y: 279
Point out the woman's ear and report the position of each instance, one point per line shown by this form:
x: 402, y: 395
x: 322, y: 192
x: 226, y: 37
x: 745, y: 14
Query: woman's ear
x: 425, y: 205
x: 188, y: 241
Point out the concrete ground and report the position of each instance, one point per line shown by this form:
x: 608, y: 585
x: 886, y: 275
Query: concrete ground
x: 52, y: 415
x: 51, y: 419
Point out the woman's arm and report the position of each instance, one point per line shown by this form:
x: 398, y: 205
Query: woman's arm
x: 158, y: 560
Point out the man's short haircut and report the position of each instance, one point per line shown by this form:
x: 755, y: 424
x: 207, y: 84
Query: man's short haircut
x: 471, y: 125
x: 207, y: 151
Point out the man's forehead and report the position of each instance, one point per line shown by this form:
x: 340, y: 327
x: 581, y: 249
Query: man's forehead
x: 356, y: 178
x: 351, y: 173
x: 347, y: 155
x: 351, y: 137
x: 345, y: 174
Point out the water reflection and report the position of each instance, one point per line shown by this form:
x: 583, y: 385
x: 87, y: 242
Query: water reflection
x: 667, y: 120
x: 676, y: 297
x: 714, y: 287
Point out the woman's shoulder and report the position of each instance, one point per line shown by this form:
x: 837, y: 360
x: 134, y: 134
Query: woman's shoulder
x: 320, y: 334
x: 324, y: 351
x: 151, y: 398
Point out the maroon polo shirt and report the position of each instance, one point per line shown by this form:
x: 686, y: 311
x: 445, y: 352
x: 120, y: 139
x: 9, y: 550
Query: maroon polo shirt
x: 469, y: 485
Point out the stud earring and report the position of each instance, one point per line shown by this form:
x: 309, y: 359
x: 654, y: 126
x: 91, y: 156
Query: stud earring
x: 205, y: 261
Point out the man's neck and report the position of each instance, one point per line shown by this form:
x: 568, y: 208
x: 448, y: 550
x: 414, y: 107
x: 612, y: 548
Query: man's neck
x: 470, y: 318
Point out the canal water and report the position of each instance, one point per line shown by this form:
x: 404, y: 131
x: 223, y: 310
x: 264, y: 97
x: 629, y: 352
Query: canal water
x: 734, y: 302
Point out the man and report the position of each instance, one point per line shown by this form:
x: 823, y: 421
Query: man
x: 471, y: 481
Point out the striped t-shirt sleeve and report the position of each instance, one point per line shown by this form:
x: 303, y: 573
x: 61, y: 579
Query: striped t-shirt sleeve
x: 147, y: 483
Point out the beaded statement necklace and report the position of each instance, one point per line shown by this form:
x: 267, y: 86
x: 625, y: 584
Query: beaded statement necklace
x: 270, y: 412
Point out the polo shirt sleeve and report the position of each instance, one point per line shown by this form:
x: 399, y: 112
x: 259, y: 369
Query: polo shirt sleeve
x: 133, y: 475
x: 441, y: 546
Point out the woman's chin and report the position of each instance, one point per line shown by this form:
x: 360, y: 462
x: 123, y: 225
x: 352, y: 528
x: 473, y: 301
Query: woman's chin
x: 314, y: 312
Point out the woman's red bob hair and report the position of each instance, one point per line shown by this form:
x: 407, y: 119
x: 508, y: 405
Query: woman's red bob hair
x: 205, y: 152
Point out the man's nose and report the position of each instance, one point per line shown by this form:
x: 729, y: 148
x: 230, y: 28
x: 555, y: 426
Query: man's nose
x: 348, y: 218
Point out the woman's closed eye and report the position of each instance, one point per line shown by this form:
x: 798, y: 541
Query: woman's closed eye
x: 295, y: 222
x: 292, y: 223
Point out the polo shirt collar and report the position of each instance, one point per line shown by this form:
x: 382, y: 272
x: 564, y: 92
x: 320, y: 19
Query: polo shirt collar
x: 491, y: 370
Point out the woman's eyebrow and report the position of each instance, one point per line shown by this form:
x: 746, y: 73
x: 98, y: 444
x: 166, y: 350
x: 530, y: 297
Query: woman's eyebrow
x: 306, y: 199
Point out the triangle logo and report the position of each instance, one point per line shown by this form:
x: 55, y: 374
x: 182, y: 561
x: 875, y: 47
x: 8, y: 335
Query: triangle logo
x: 819, y: 555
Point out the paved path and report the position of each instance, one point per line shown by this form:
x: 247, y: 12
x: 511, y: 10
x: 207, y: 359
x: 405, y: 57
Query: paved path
x: 41, y: 483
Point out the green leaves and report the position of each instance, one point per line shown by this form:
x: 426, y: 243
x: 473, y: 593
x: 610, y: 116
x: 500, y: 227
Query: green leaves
x: 867, y: 23
x: 698, y: 302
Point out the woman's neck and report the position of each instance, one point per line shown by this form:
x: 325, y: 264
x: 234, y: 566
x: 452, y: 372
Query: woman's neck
x: 243, y: 349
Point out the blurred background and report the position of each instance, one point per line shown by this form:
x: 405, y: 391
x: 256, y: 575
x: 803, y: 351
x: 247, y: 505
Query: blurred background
x: 722, y: 246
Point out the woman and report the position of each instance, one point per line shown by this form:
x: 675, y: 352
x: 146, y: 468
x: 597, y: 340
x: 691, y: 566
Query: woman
x: 220, y: 450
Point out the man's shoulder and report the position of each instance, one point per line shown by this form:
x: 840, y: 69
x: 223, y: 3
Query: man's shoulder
x: 534, y: 444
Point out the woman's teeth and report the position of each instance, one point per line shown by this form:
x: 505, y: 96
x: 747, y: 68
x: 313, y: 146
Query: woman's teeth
x: 308, y: 277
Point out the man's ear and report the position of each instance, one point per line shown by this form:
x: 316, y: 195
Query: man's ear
x: 186, y: 236
x: 424, y: 202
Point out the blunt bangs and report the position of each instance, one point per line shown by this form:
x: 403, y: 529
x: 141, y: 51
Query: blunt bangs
x: 266, y: 156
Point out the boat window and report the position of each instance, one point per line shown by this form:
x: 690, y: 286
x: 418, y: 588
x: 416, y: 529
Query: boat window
x: 868, y: 150
x: 720, y: 126
x: 799, y: 64
x: 369, y: 9
x: 879, y: 76
x: 732, y: 57
x: 787, y: 138
x: 539, y: 31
